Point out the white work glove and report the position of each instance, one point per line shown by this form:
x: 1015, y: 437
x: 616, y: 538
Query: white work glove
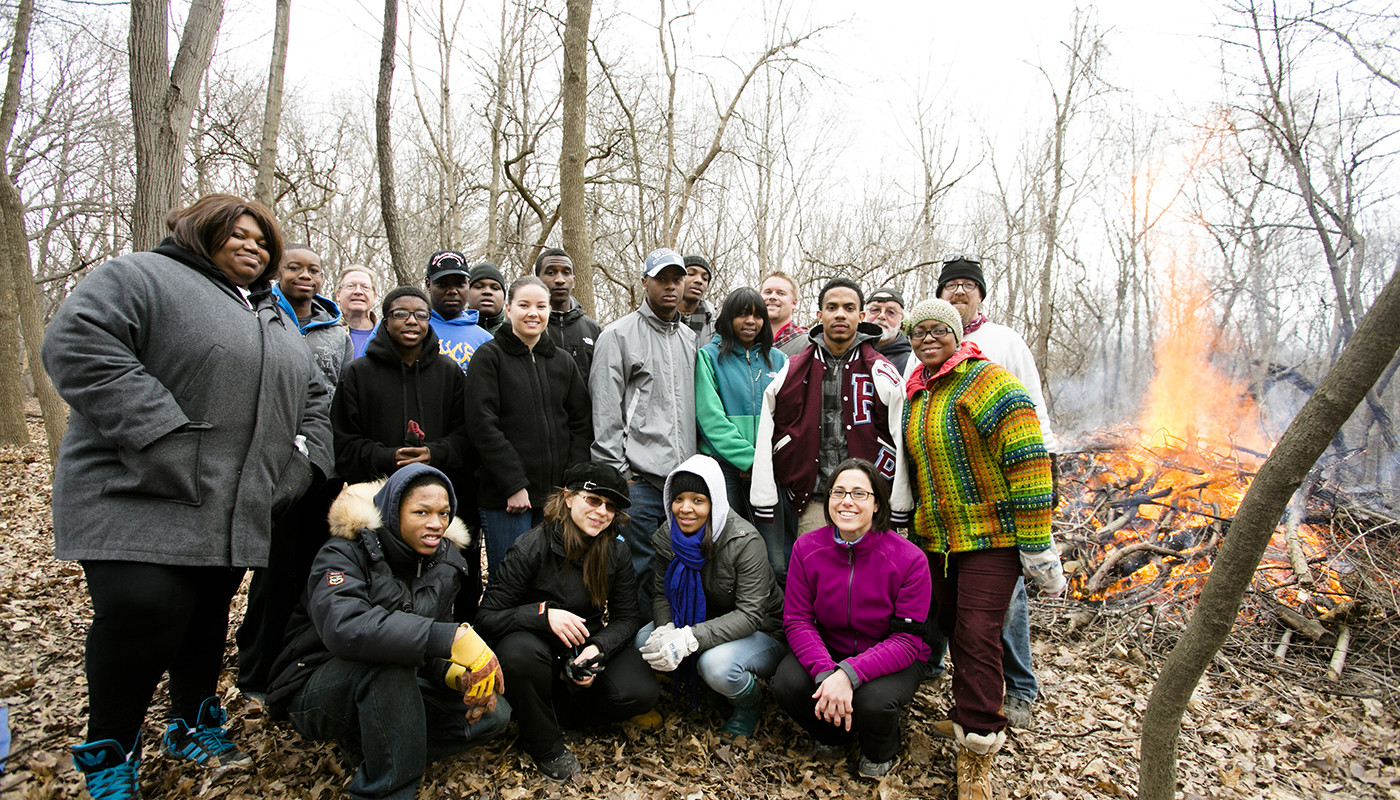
x: 666, y: 651
x: 1043, y: 567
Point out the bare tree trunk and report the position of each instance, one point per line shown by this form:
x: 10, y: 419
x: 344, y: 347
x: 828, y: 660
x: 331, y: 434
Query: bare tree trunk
x: 13, y: 430
x: 573, y: 152
x: 384, y: 151
x: 162, y: 103
x: 494, y: 249
x: 264, y: 191
x: 1372, y: 346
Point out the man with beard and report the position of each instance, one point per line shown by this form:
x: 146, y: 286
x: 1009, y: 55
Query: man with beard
x: 886, y: 309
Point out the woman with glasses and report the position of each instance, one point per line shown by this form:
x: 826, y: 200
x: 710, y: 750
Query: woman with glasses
x: 544, y: 614
x: 982, y: 478
x: 855, y: 607
x: 404, y: 403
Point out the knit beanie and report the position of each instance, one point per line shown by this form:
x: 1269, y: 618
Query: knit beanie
x: 961, y: 268
x: 486, y: 270
x: 682, y: 482
x: 935, y: 310
x: 697, y: 260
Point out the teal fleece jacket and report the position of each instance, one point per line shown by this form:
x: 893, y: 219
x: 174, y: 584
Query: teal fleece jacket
x: 729, y: 397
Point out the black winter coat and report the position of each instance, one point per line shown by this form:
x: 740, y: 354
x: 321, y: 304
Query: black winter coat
x: 535, y: 576
x: 531, y: 417
x: 575, y: 333
x: 378, y: 396
x: 371, y: 599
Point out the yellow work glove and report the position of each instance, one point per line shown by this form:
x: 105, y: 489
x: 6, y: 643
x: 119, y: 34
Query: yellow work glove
x: 474, y: 670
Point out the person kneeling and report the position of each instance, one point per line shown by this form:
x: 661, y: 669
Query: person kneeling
x: 854, y: 614
x: 715, y: 595
x: 544, y: 610
x: 373, y: 658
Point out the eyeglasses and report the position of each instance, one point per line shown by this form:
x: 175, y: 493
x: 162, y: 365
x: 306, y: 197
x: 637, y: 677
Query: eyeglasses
x: 593, y: 501
x: 965, y: 287
x: 357, y: 287
x: 858, y: 495
x: 402, y: 314
x: 968, y: 257
x: 920, y: 334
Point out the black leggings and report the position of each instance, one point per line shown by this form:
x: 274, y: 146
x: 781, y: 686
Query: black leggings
x: 876, y: 707
x: 149, y: 619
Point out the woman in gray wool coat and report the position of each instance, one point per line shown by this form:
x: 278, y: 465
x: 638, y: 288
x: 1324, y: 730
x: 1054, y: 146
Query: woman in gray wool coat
x: 198, y: 415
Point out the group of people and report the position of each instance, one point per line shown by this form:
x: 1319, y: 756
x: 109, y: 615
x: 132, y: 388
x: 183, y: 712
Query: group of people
x: 710, y: 495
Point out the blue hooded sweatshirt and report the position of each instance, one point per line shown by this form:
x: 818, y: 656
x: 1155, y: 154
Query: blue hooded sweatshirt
x: 459, y: 337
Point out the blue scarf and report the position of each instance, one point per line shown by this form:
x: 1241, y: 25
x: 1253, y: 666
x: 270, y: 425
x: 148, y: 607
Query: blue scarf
x: 684, y: 592
x: 686, y: 596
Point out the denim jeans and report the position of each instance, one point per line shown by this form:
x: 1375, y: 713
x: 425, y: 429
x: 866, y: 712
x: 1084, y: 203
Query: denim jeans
x: 737, y: 489
x: 779, y: 537
x: 394, y: 720
x: 728, y: 667
x: 647, y: 513
x: 1016, y: 665
x: 501, y: 528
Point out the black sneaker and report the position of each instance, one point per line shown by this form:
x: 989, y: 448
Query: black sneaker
x: 109, y: 771
x: 875, y: 769
x: 562, y: 768
x: 206, y: 742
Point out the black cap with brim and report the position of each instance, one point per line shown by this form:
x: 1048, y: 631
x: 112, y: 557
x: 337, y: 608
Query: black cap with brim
x: 600, y: 479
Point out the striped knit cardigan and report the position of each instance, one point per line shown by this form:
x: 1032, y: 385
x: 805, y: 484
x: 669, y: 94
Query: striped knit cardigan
x: 977, y: 462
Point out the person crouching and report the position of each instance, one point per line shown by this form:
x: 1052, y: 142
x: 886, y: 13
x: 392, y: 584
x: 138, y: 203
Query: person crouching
x: 373, y: 658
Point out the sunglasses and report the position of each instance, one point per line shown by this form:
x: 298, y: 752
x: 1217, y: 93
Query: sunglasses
x: 593, y: 501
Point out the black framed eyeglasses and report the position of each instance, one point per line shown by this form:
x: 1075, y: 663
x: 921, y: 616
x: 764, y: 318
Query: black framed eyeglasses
x: 402, y: 314
x: 858, y: 495
x: 920, y: 334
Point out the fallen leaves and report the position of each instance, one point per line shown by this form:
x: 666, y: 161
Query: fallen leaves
x: 1247, y: 733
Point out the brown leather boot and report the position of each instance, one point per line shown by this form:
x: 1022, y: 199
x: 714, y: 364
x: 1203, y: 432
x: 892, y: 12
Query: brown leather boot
x: 976, y: 753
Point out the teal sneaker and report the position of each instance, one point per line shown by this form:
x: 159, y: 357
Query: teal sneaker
x: 108, y: 769
x: 206, y: 742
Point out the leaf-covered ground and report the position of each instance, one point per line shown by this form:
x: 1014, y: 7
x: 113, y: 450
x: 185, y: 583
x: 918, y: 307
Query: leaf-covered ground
x: 1254, y: 729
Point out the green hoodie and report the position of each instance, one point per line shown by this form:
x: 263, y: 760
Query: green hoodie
x: 729, y: 397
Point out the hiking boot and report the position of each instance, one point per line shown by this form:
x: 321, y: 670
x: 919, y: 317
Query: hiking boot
x: 1017, y: 712
x: 649, y: 721
x: 562, y: 768
x: 975, y: 754
x: 206, y: 742
x: 108, y: 769
x: 875, y: 769
x: 748, y: 705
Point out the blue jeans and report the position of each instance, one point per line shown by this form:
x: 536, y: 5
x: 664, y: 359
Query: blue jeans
x: 502, y: 528
x: 736, y: 488
x: 394, y: 720
x: 647, y: 513
x: 1016, y: 666
x: 729, y: 667
x: 779, y: 536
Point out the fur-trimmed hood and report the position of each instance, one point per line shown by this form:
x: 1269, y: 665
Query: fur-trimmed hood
x: 355, y: 509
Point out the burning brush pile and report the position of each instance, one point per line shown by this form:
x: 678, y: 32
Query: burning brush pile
x: 1143, y: 510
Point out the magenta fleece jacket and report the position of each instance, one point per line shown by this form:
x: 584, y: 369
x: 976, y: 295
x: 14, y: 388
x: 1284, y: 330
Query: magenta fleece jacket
x: 856, y: 607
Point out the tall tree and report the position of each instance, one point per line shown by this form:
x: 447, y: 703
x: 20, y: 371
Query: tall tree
x: 1372, y: 346
x: 265, y: 189
x: 13, y: 429
x: 384, y: 149
x: 573, y: 152
x: 162, y: 102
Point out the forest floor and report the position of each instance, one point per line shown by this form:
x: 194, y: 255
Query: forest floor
x: 1255, y: 727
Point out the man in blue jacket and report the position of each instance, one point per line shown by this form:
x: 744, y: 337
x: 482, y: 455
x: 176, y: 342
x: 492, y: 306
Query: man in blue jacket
x: 454, y: 323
